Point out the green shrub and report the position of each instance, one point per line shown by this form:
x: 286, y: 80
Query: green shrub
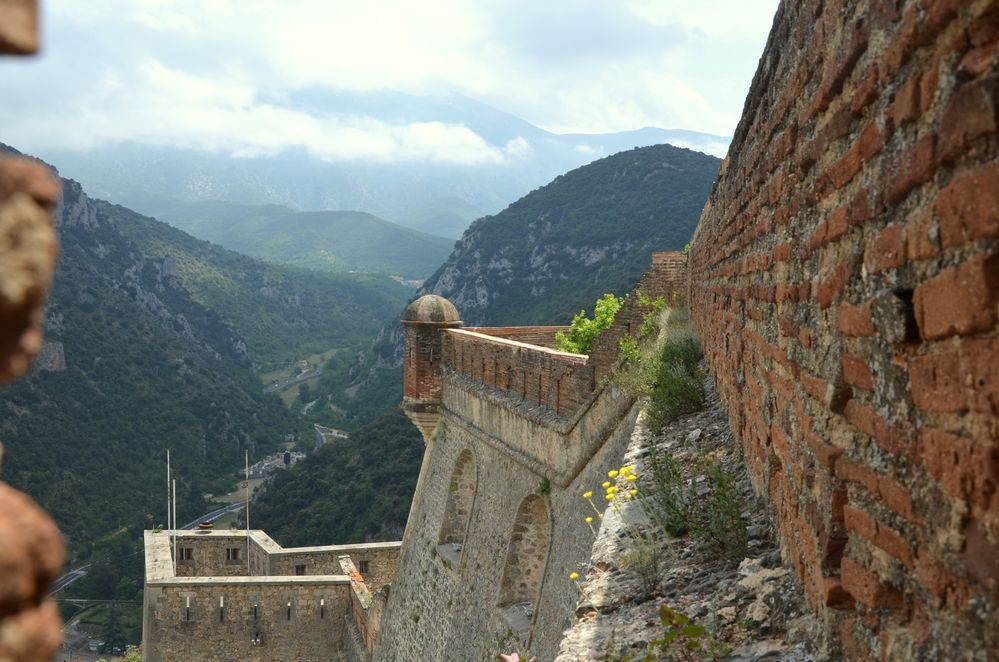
x: 676, y: 391
x: 583, y: 330
x: 721, y: 525
x: 670, y: 501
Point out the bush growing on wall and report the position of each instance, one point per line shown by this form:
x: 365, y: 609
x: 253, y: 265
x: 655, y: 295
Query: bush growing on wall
x: 583, y: 330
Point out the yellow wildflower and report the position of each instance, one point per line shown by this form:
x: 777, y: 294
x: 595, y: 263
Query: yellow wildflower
x: 589, y: 520
x: 627, y: 470
x: 587, y: 495
x: 574, y: 576
x: 605, y: 484
x: 612, y: 473
x: 632, y: 492
x: 609, y: 496
x: 631, y: 478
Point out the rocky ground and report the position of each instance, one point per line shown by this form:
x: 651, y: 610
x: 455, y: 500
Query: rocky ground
x: 751, y: 610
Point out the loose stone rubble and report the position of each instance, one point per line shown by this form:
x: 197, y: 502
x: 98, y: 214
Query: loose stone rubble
x: 753, y: 610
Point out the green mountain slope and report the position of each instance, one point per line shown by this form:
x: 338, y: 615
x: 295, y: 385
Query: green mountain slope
x: 350, y: 490
x: 447, y: 217
x: 326, y: 240
x: 281, y: 312
x: 153, y: 339
x: 145, y: 368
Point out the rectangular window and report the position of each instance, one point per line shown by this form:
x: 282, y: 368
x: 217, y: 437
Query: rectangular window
x: 232, y: 553
x: 364, y: 567
x: 300, y: 570
x: 186, y: 553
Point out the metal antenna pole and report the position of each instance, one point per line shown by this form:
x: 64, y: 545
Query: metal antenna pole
x: 246, y: 459
x: 169, y: 520
x: 175, y: 527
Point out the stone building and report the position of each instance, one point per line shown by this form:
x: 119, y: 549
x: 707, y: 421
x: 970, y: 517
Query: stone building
x: 232, y: 595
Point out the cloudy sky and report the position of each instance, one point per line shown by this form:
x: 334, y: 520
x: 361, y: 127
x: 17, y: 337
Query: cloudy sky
x: 227, y: 74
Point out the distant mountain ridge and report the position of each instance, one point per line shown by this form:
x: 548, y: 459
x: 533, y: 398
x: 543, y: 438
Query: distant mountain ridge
x: 151, y: 178
x: 323, y: 240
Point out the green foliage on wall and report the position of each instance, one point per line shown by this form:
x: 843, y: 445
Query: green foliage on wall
x: 583, y: 330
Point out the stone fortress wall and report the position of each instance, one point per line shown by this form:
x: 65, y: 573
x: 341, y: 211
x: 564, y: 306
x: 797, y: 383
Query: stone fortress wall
x: 242, y: 597
x: 844, y: 279
x: 515, y: 431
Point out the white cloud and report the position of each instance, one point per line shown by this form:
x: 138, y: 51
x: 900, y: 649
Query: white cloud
x: 219, y: 73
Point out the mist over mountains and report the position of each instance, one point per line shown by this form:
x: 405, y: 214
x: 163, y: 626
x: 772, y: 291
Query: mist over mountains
x: 505, y: 157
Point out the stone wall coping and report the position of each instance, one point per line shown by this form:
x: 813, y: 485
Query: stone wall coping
x: 244, y: 580
x: 340, y: 549
x: 483, y: 336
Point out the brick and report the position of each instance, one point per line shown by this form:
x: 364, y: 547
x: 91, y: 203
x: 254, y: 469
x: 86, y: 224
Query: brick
x: 922, y: 235
x: 906, y: 105
x: 897, y: 498
x: 832, y: 286
x: 851, y: 471
x: 970, y: 113
x: 981, y: 555
x: 960, y: 300
x: 841, y: 65
x: 886, y: 250
x: 952, y: 591
x: 928, y: 84
x: 968, y: 207
x: 867, y: 588
x: 979, y: 373
x: 860, y: 522
x: 878, y: 534
x: 866, y: 90
x: 856, y: 373
x: 856, y: 320
x: 965, y: 469
x: 913, y: 167
x: 935, y: 382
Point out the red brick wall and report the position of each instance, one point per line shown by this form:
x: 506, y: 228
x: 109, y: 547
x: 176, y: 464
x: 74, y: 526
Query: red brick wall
x: 845, y: 279
x: 553, y: 380
x: 521, y: 361
x: 543, y: 336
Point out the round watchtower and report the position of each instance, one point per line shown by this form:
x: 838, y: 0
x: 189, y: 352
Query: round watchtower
x: 423, y: 323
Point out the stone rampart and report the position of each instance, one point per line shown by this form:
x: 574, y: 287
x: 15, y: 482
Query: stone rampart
x: 844, y: 279
x: 519, y: 432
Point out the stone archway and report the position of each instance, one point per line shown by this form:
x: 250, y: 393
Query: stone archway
x: 458, y: 511
x: 526, y: 557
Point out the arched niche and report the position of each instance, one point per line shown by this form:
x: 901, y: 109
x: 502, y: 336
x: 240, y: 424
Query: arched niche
x: 458, y: 510
x: 524, y: 569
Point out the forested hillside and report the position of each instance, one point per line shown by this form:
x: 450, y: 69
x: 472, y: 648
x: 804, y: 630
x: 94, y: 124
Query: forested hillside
x: 350, y: 490
x: 282, y: 312
x: 152, y: 342
x: 322, y: 240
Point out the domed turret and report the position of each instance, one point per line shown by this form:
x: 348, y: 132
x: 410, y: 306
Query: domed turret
x: 424, y: 323
x: 431, y: 308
